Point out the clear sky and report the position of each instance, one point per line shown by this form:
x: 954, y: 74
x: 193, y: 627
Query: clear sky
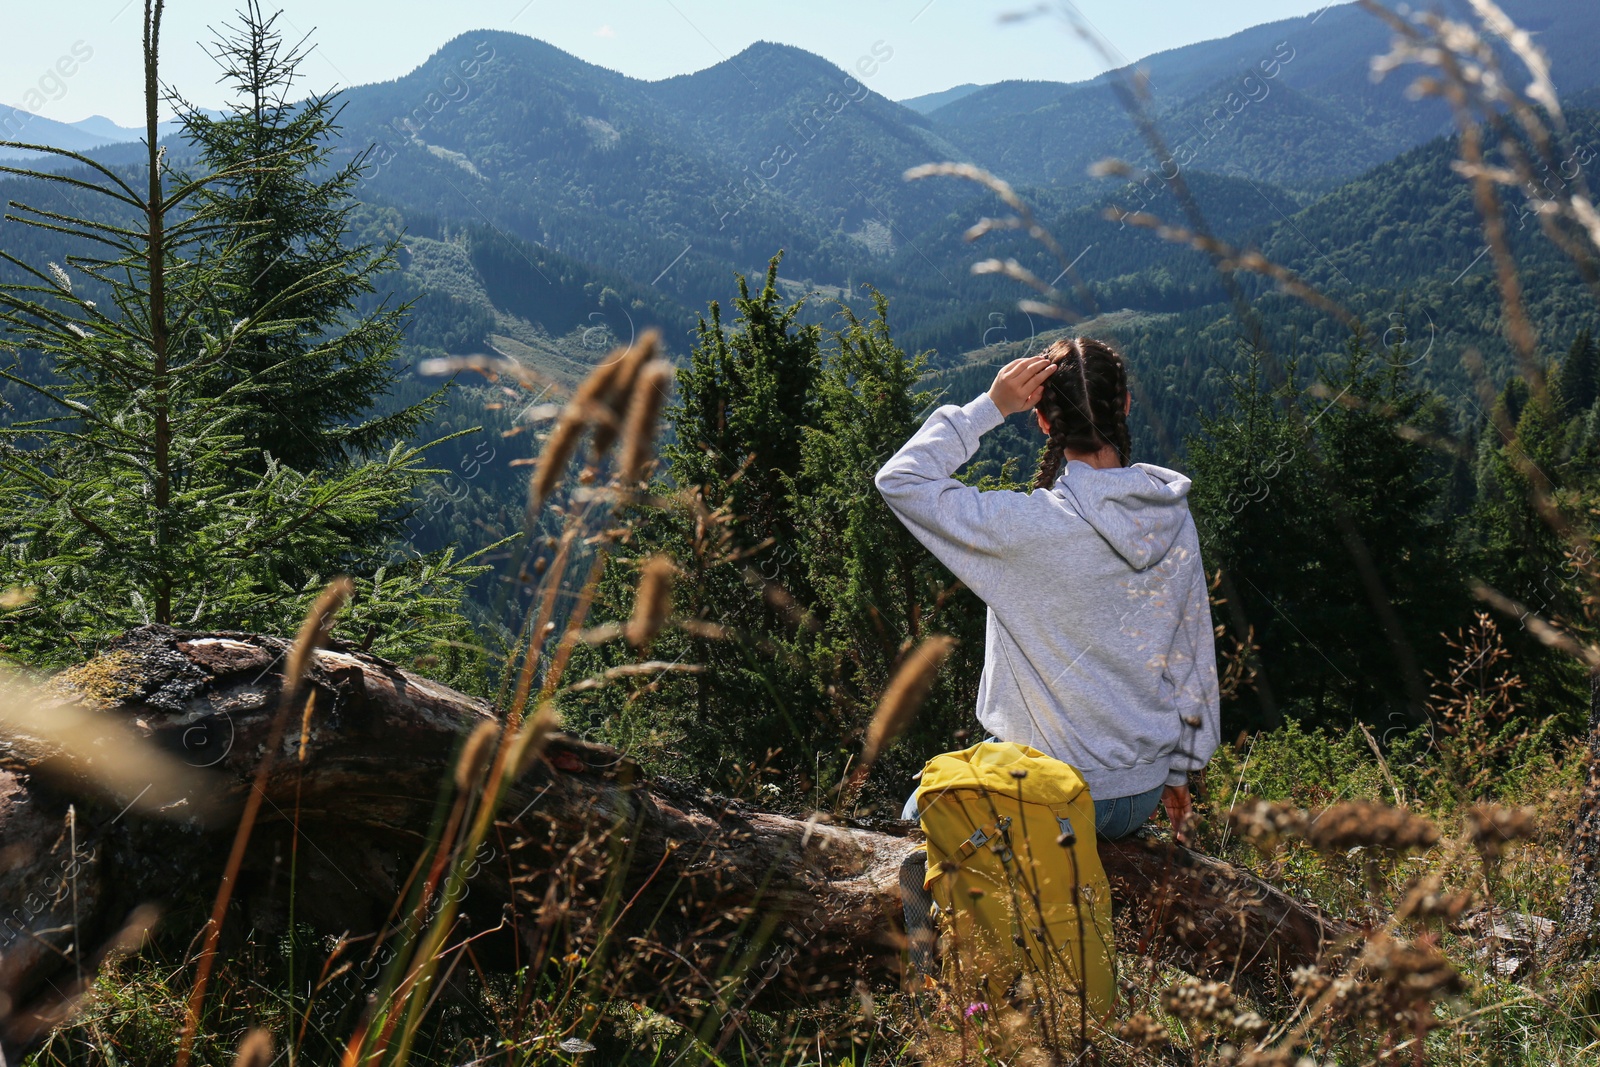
x: 935, y: 43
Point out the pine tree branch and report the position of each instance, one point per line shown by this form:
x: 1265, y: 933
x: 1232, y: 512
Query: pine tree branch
x: 131, y: 199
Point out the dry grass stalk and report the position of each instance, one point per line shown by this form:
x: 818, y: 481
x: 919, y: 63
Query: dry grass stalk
x: 635, y: 670
x: 644, y: 416
x: 599, y: 635
x: 535, y: 635
x: 1426, y: 898
x: 653, y: 601
x: 255, y: 1050
x: 1229, y: 258
x: 570, y: 641
x: 1369, y: 824
x: 305, y: 725
x: 1480, y: 96
x: 558, y: 452
x: 905, y: 695
x: 778, y: 599
x: 1236, y: 665
x: 600, y: 403
x: 77, y: 742
x: 475, y: 755
x: 1266, y: 823
x: 313, y: 633
x: 616, y: 395
x: 529, y: 742
x: 1546, y: 633
x: 1494, y: 828
x: 491, y: 369
x: 706, y: 631
x: 21, y: 1027
x: 1024, y: 220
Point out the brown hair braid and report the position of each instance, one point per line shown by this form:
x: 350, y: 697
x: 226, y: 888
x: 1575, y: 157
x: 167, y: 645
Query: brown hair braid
x: 1083, y: 403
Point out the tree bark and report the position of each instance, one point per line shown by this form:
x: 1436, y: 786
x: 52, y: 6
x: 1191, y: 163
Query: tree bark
x: 663, y: 890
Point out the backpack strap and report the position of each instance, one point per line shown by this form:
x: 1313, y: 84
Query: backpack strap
x: 1062, y: 812
x: 996, y: 835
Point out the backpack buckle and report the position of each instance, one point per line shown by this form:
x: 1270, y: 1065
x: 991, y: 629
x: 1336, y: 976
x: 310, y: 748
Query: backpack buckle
x: 995, y: 840
x: 1001, y: 842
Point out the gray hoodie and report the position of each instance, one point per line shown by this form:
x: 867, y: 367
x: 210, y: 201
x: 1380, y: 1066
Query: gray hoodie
x: 1099, y: 641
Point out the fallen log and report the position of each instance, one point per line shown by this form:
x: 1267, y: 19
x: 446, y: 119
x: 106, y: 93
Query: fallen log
x: 668, y: 891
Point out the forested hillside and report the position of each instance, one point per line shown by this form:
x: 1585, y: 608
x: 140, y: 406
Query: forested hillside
x: 548, y: 209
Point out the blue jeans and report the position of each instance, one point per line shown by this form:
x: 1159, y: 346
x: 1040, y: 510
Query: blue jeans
x: 1121, y: 816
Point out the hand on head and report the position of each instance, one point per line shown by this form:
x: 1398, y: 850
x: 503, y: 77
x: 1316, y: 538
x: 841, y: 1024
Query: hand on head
x: 1020, y: 383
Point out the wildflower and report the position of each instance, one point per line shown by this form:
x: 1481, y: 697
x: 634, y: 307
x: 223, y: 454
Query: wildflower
x: 1307, y: 982
x: 975, y: 1009
x: 1413, y: 972
x: 1357, y: 1000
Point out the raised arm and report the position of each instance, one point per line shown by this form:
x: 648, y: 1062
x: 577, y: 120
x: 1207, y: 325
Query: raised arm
x: 965, y: 528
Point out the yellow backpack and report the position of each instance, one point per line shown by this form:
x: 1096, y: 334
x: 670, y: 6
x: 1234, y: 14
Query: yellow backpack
x: 1024, y: 905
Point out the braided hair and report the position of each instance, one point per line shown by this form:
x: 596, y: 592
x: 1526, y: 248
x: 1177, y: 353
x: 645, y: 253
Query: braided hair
x: 1083, y: 403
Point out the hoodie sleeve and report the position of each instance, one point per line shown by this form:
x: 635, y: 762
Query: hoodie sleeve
x: 1192, y: 671
x: 962, y: 526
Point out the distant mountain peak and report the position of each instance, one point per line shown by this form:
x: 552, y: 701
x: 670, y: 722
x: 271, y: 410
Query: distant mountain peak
x: 929, y: 102
x: 764, y: 47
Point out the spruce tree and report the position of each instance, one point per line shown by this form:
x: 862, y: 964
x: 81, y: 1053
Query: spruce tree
x: 1577, y: 382
x: 1516, y: 551
x: 877, y: 590
x: 744, y: 401
x: 780, y: 427
x: 1327, y: 525
x: 315, y: 378
x: 127, y: 504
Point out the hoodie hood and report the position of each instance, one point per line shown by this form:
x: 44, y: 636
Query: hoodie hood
x: 1139, y: 510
